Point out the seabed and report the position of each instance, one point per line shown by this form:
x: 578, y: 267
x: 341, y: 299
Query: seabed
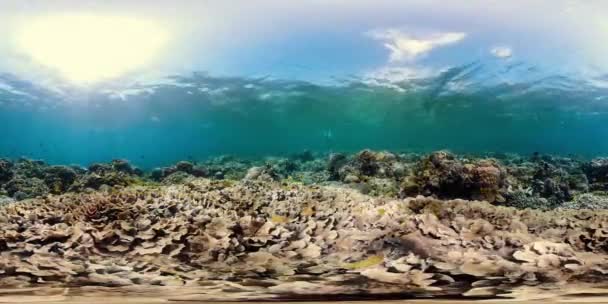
x: 104, y: 295
x: 434, y: 228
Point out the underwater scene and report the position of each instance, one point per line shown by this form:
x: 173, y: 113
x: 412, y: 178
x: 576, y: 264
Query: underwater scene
x: 311, y: 151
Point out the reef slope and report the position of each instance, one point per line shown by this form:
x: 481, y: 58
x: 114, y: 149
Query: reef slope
x: 263, y: 240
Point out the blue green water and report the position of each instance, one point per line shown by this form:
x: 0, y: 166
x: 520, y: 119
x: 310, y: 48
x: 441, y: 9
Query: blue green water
x: 470, y: 108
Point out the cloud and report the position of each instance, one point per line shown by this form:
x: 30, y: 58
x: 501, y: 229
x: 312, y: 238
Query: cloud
x: 408, y: 47
x: 501, y: 52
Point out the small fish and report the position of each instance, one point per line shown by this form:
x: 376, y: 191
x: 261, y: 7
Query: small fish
x: 368, y: 262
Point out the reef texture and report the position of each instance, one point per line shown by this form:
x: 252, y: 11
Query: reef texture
x: 267, y: 239
x: 537, y: 182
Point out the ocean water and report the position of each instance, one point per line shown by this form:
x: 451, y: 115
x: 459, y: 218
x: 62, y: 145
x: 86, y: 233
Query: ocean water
x: 473, y: 108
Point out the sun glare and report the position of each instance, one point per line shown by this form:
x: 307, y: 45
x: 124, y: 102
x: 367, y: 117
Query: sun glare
x: 91, y: 48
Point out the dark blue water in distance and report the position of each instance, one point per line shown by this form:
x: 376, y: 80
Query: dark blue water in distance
x: 464, y: 109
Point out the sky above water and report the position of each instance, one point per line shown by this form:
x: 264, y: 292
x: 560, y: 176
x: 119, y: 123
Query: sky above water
x: 313, y: 40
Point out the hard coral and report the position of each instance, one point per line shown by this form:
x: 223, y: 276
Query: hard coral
x: 444, y: 176
x: 597, y: 172
x: 29, y: 168
x: 59, y: 178
x: 20, y: 187
x: 118, y: 173
x: 365, y: 164
x: 5, y: 170
x: 178, y: 177
x: 257, y: 234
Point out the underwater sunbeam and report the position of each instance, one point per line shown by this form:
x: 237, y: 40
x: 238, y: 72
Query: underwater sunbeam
x: 89, y: 48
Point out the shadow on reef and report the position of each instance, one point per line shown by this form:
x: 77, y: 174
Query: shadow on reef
x: 538, y: 181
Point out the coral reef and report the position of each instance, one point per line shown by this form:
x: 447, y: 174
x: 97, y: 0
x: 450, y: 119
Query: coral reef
x: 177, y: 177
x: 59, y: 178
x: 370, y: 223
x: 443, y: 175
x: 538, y: 182
x: 300, y: 241
x: 28, y: 168
x: 589, y: 201
x: 182, y: 168
x: 597, y: 173
x: 6, y: 200
x: 34, y: 178
x: 118, y: 173
x: 265, y: 173
x: 5, y: 170
x: 228, y: 167
x: 22, y: 188
x: 365, y: 164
